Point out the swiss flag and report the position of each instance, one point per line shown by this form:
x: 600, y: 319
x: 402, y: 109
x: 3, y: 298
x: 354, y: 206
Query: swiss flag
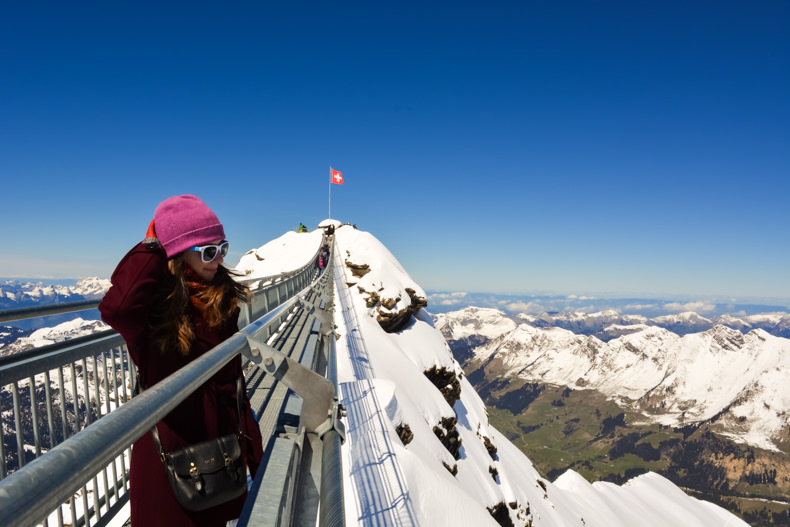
x: 337, y: 176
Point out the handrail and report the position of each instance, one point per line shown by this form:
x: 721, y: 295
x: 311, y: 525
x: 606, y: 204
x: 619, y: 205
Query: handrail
x: 23, y: 313
x: 291, y: 282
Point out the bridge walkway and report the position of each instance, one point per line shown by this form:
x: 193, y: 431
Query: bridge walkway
x: 68, y: 420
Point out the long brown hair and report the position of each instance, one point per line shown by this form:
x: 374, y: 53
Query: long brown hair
x: 173, y: 324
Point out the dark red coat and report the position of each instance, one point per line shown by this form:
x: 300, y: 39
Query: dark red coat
x: 209, y: 412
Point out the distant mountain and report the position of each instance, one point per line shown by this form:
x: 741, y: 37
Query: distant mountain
x: 16, y: 294
x: 610, y: 324
x: 676, y: 378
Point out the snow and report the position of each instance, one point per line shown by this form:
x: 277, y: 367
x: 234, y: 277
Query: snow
x: 286, y: 253
x: 383, y: 386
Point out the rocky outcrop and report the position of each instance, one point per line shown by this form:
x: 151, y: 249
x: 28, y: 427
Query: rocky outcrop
x: 358, y: 270
x: 490, y: 447
x: 389, y: 320
x: 447, y: 382
x: 449, y: 435
x: 394, y: 321
x: 500, y: 513
x: 404, y: 433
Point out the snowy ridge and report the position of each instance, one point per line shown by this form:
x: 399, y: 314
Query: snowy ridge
x: 46, y: 336
x: 674, y: 380
x: 487, y: 481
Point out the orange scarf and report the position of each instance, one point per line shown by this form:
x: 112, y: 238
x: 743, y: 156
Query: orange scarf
x: 196, y: 285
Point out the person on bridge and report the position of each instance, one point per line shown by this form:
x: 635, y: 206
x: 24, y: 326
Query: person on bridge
x: 323, y: 258
x: 172, y: 300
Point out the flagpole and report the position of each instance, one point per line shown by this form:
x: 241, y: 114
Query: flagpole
x: 330, y: 192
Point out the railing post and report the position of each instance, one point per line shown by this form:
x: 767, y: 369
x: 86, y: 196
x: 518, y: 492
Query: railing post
x: 3, y: 468
x: 34, y: 415
x: 20, y: 453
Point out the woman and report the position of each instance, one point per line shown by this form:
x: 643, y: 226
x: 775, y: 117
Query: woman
x: 172, y: 301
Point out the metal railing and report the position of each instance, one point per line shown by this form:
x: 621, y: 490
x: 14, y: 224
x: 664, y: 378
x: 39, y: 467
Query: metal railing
x: 73, y: 433
x: 269, y: 292
x: 55, y: 391
x: 23, y: 313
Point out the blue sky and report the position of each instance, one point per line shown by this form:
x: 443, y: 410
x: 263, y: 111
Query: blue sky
x: 577, y: 147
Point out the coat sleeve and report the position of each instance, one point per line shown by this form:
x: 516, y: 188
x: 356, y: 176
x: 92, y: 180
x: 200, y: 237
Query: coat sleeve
x: 136, y: 283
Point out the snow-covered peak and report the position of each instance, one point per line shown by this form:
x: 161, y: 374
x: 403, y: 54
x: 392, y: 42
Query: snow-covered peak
x: 93, y: 287
x: 469, y: 321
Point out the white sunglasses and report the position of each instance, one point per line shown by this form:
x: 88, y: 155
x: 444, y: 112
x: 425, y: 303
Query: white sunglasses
x: 209, y: 252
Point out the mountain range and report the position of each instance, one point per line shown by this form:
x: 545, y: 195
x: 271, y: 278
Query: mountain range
x: 609, y: 324
x: 675, y: 378
x: 16, y: 294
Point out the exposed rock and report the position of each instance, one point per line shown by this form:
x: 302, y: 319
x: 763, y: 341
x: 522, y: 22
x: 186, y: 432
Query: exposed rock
x: 372, y: 299
x: 500, y: 513
x: 449, y: 436
x: 492, y: 450
x: 389, y: 303
x: 404, y: 433
x: 358, y: 270
x: 446, y: 381
x: 394, y: 322
x: 493, y: 471
x: 453, y: 470
x: 545, y: 489
x: 416, y: 300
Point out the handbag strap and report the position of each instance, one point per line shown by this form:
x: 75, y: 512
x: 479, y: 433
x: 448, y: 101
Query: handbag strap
x: 239, y: 393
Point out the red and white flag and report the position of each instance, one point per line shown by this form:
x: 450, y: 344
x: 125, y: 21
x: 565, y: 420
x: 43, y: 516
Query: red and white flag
x: 337, y: 176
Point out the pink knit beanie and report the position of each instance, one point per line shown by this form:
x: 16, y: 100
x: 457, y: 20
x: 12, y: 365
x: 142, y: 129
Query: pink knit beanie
x: 185, y: 221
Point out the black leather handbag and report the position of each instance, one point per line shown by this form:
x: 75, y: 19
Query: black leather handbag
x: 208, y: 473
